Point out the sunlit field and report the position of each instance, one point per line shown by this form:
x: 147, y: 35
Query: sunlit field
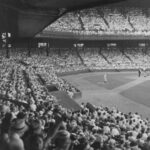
x: 124, y: 90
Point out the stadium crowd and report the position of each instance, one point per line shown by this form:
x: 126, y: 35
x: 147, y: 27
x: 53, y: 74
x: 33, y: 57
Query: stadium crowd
x: 18, y: 80
x: 52, y: 127
x: 104, y: 20
x: 69, y: 60
x: 32, y: 119
x: 115, y: 58
x: 93, y: 59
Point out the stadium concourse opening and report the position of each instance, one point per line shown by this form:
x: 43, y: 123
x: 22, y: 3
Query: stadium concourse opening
x: 80, y: 84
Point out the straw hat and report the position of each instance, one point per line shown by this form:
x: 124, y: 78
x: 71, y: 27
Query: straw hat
x: 19, y: 126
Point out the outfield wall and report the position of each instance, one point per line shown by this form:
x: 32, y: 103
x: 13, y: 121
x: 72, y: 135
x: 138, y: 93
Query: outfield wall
x: 97, y: 70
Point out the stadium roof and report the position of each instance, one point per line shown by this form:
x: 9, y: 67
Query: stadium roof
x: 26, y: 18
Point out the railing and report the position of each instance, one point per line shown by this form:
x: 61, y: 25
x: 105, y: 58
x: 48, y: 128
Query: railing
x: 83, y: 36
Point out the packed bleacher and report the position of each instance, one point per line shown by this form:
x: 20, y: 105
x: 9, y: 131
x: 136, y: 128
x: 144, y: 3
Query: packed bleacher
x: 52, y: 127
x: 104, y: 20
x: 32, y: 119
x: 67, y: 60
x: 93, y: 59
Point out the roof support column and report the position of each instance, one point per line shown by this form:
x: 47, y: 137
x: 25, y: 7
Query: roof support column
x: 7, y: 47
x: 29, y: 48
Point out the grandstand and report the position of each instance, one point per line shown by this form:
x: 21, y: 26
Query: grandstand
x: 104, y: 21
x: 53, y: 90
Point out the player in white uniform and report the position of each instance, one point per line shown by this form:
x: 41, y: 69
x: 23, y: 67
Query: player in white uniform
x: 105, y: 78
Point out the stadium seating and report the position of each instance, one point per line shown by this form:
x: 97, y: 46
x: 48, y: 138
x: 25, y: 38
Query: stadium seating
x: 30, y: 116
x: 91, y: 58
x: 104, y: 20
x: 95, y: 127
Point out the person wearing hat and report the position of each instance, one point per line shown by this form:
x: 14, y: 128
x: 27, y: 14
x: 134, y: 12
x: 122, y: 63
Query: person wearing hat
x: 111, y: 144
x: 62, y: 140
x: 36, y: 134
x: 83, y: 144
x: 36, y: 142
x: 134, y: 145
x: 4, y: 109
x: 16, y: 131
x: 36, y: 126
x: 4, y: 131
